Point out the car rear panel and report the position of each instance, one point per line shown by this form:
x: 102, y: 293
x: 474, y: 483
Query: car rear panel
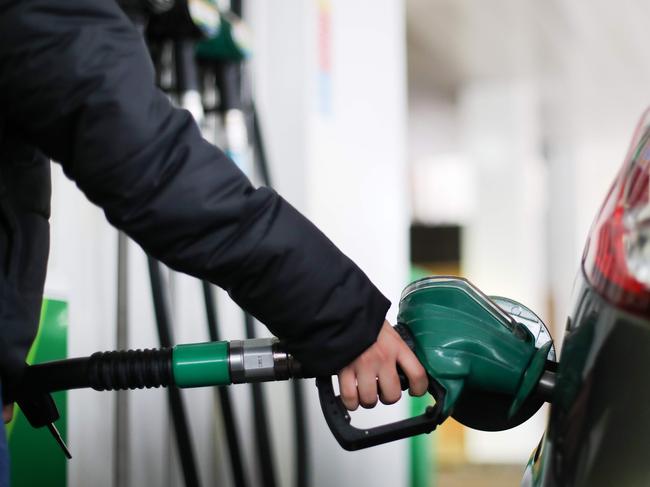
x: 599, y: 428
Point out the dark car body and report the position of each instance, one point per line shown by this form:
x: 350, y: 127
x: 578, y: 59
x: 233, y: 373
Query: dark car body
x: 599, y: 426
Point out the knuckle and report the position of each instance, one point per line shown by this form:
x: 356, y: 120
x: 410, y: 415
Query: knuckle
x: 420, y: 374
x: 361, y: 360
x: 349, y: 399
x: 366, y: 359
x: 371, y: 355
x: 348, y: 394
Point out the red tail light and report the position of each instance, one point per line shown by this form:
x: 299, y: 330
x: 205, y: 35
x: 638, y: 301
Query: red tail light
x: 617, y: 257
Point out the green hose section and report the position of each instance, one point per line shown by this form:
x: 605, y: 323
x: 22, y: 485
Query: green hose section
x: 201, y: 364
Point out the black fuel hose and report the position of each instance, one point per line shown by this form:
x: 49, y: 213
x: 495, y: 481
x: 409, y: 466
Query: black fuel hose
x: 229, y: 80
x: 260, y: 420
x: 258, y: 148
x: 140, y: 14
x: 179, y: 416
x: 300, y: 434
x: 103, y: 371
x: 187, y: 79
x: 223, y: 394
x: 301, y: 443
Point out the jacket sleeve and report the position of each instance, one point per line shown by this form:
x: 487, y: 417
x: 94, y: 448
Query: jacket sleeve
x: 76, y: 80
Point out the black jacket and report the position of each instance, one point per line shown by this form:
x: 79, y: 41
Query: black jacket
x: 77, y: 86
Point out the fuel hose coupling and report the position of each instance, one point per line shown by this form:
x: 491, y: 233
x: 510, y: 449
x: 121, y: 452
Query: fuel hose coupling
x: 235, y: 362
x: 261, y: 360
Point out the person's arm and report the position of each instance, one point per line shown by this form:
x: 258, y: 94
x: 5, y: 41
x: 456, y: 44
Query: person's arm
x: 76, y: 81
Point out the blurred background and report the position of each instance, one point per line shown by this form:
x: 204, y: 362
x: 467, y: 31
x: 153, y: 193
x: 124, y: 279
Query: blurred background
x: 423, y: 137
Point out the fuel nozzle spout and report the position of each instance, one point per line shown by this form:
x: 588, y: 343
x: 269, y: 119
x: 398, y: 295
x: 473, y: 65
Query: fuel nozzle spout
x: 546, y: 386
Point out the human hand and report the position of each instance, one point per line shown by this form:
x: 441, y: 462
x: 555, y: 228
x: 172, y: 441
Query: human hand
x: 377, y: 366
x: 7, y: 413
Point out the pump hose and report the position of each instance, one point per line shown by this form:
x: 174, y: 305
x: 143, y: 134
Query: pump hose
x: 104, y: 371
x: 176, y: 404
x: 223, y: 394
x: 301, y: 471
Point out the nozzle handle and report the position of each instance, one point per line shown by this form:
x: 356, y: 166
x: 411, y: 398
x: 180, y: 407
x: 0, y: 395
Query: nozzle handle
x: 352, y: 438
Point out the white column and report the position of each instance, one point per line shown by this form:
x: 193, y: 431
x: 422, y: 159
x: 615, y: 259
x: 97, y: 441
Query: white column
x: 330, y: 80
x: 504, y: 241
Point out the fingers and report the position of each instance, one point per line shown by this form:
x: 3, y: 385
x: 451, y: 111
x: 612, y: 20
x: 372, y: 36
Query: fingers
x: 7, y: 413
x: 417, y: 376
x: 389, y: 387
x: 375, y: 371
x: 363, y: 390
x: 367, y: 387
x: 348, y: 388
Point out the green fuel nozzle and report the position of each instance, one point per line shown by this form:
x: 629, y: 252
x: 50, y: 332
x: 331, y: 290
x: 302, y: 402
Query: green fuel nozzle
x: 490, y: 362
x: 493, y: 357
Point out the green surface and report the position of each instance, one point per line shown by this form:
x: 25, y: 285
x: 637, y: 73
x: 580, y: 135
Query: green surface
x: 422, y: 458
x: 36, y: 459
x: 201, y: 364
x: 230, y: 43
x: 530, y: 379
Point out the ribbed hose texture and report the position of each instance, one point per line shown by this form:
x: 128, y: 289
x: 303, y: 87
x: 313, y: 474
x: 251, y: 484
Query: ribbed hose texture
x: 130, y: 369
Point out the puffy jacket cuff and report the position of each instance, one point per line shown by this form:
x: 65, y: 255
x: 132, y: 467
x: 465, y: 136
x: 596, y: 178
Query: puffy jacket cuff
x: 322, y: 356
